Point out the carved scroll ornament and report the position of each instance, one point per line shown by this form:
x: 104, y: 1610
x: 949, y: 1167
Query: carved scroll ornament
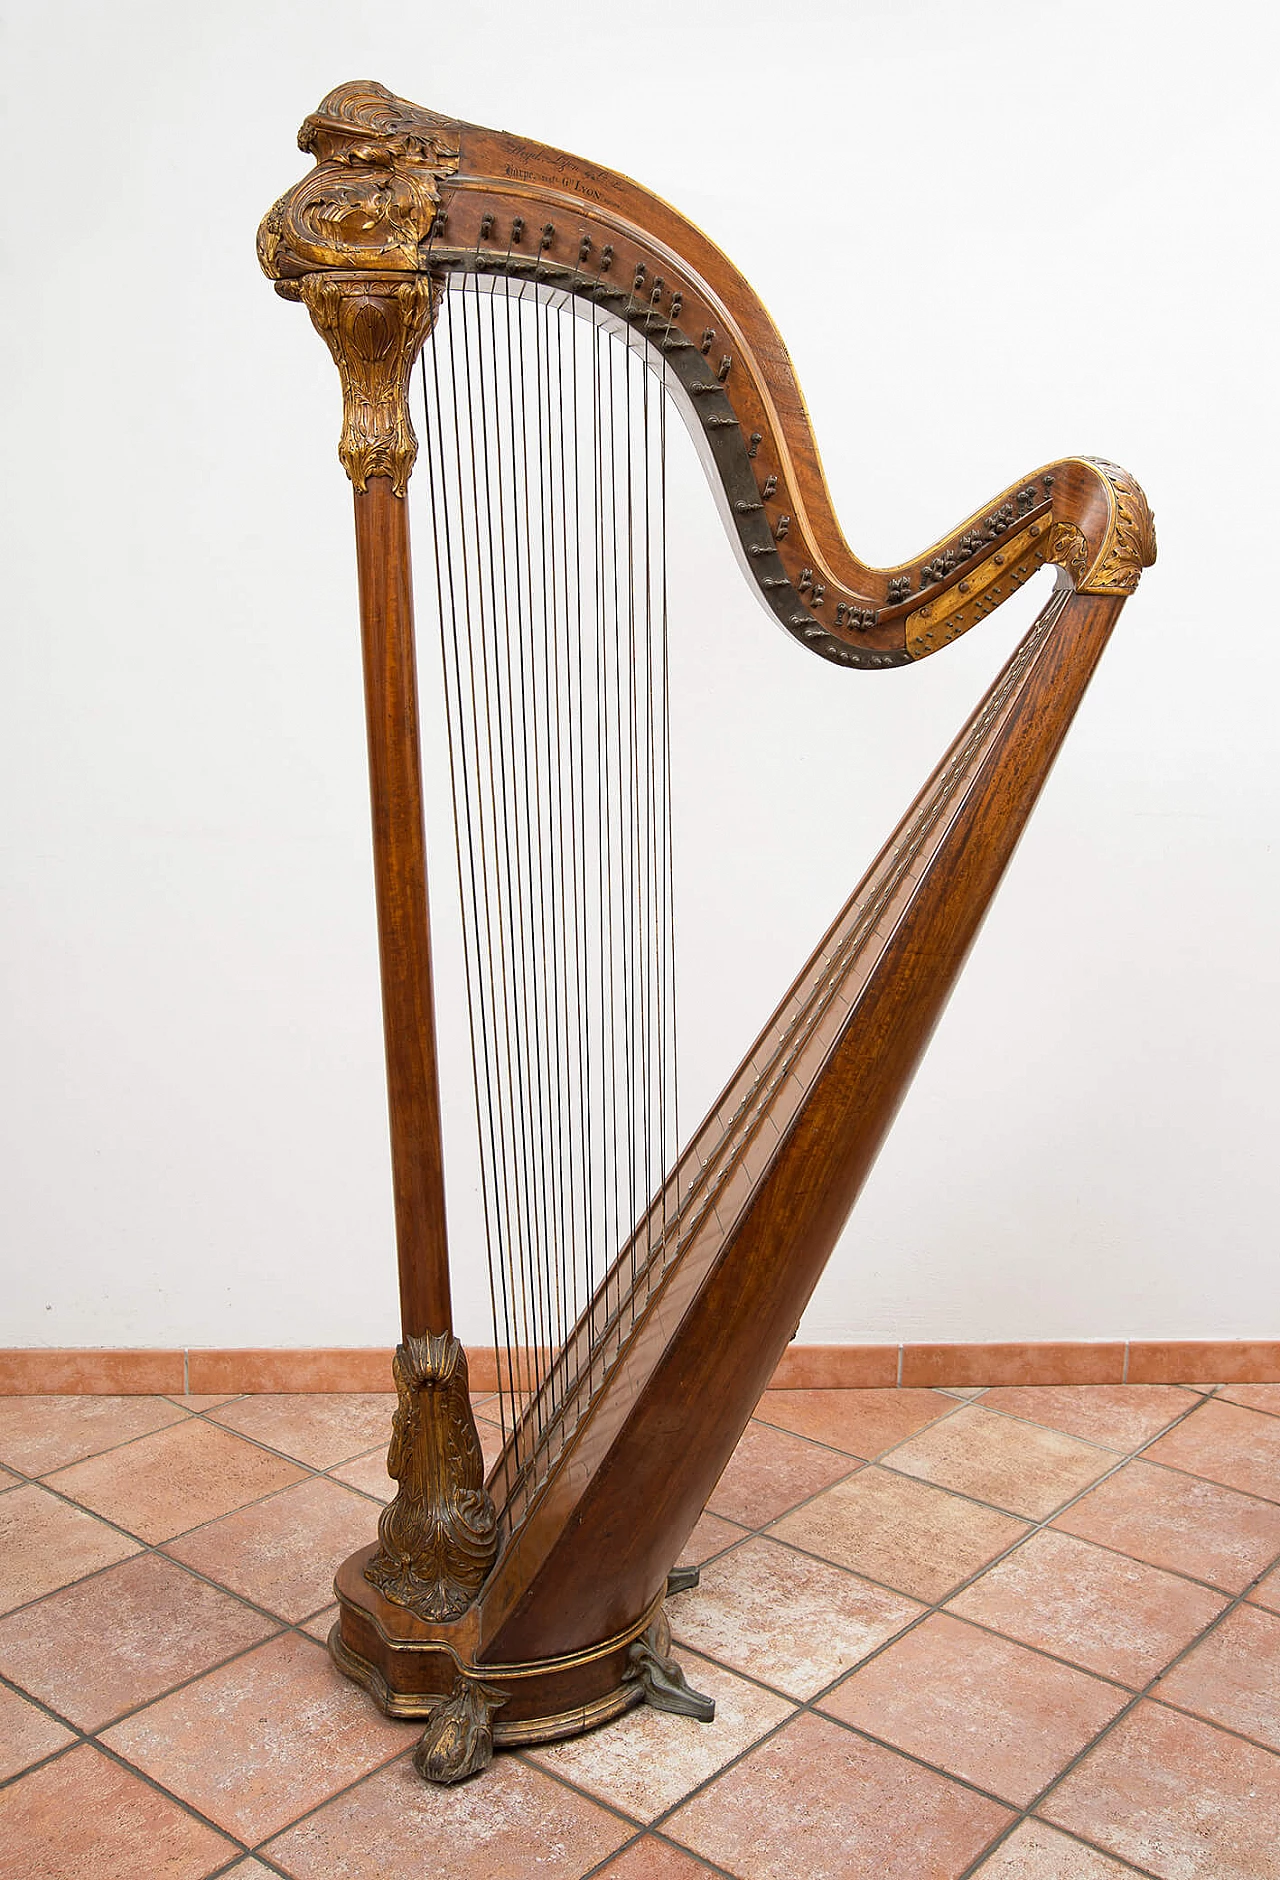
x: 373, y: 194
x: 1070, y: 550
x: 1108, y: 553
x: 438, y: 1538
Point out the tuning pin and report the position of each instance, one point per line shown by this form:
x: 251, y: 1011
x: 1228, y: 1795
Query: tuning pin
x: 708, y: 339
x: 486, y: 227
x: 677, y: 301
x: 606, y: 257
x: 584, y: 248
x: 548, y: 234
x: 770, y: 485
x: 754, y: 442
x: 517, y: 229
x: 784, y: 523
x: 724, y: 368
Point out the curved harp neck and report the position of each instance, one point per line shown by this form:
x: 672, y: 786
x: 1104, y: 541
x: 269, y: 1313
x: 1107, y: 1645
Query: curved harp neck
x: 400, y: 190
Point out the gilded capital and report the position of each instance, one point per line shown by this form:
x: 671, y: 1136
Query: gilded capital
x: 374, y: 325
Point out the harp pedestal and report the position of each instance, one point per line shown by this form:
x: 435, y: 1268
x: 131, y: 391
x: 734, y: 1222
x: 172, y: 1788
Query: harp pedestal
x: 411, y: 1667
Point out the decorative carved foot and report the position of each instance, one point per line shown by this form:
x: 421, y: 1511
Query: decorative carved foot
x: 663, y: 1682
x: 458, y: 1740
x: 682, y: 1579
x: 437, y: 1539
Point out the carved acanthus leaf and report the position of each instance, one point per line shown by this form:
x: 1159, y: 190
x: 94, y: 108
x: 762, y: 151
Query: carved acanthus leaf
x: 438, y: 1538
x: 374, y: 327
x: 458, y: 1739
x: 373, y: 194
x: 1130, y: 544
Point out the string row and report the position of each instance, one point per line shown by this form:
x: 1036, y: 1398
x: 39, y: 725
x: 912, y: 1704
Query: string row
x: 544, y: 448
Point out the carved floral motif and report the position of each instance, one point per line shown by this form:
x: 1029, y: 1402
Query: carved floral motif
x: 374, y: 327
x: 437, y: 1539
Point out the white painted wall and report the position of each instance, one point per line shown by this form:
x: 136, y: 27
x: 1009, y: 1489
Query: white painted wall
x: 1021, y: 232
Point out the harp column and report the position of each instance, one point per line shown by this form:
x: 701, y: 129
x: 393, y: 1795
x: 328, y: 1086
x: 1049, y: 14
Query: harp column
x: 348, y: 242
x: 375, y: 325
x: 438, y: 1537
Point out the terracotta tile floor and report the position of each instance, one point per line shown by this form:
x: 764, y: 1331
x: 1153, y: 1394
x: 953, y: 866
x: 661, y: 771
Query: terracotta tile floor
x: 1022, y: 1634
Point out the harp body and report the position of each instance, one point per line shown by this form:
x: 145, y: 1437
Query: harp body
x: 530, y: 1606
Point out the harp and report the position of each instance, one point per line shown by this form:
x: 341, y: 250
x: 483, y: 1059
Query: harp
x: 645, y: 1285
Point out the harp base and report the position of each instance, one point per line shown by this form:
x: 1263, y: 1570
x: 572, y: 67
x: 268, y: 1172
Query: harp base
x: 413, y: 1707
x: 413, y: 1669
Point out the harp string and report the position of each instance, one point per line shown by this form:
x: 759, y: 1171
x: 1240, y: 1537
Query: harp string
x: 842, y: 962
x: 529, y: 1274
x: 545, y: 448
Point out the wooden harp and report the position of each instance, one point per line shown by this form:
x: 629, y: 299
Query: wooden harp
x: 528, y: 1605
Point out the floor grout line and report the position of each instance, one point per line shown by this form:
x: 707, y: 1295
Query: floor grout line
x: 812, y: 1706
x: 938, y: 1607
x: 1128, y: 1710
x: 188, y: 1808
x: 763, y: 1531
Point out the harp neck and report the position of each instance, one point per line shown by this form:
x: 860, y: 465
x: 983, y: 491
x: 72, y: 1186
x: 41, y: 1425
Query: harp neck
x: 399, y: 190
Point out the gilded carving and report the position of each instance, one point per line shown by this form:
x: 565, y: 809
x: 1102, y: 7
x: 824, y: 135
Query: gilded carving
x: 986, y: 584
x: 438, y: 1538
x: 373, y: 194
x: 458, y: 1739
x: 1070, y: 550
x: 1130, y: 544
x: 374, y: 326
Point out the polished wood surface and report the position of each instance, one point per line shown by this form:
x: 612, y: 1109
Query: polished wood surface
x: 452, y: 197
x: 404, y: 926
x: 593, y: 1509
x: 715, y: 1331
